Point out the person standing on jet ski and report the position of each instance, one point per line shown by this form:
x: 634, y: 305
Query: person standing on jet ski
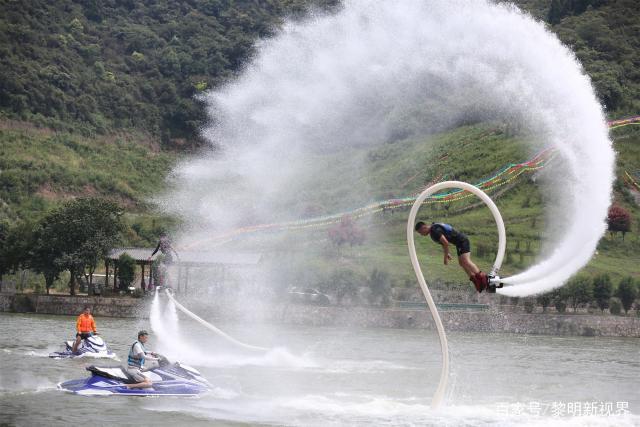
x: 444, y: 234
x: 136, y: 360
x: 85, y: 327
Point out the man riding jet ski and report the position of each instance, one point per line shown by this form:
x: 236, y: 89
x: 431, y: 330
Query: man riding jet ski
x: 147, y: 374
x: 167, y: 379
x: 86, y: 344
x: 92, y: 346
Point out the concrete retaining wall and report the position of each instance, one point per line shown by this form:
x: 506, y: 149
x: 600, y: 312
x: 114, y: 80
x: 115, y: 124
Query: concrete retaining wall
x: 73, y: 305
x: 493, y: 320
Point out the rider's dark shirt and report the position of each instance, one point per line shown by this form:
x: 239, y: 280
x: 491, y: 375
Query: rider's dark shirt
x: 453, y: 236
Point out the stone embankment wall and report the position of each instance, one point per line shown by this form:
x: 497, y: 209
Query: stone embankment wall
x: 73, y: 305
x: 493, y: 320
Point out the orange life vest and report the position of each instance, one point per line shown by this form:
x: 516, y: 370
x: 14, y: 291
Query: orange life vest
x: 85, y: 323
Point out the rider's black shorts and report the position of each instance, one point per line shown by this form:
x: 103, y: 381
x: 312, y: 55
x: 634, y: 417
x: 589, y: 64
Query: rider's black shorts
x: 84, y: 335
x: 463, y: 246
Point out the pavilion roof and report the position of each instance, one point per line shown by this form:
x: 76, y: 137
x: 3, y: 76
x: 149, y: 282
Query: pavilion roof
x: 142, y: 255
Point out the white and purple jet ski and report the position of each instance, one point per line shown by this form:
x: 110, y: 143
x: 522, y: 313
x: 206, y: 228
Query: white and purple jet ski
x: 93, y: 346
x: 168, y: 379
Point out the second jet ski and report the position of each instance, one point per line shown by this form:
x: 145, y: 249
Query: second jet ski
x: 93, y: 346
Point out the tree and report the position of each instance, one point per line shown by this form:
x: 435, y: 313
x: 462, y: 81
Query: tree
x: 602, y: 290
x: 561, y: 8
x: 43, y: 255
x: 75, y: 237
x: 627, y: 292
x: 618, y: 219
x: 560, y: 306
x: 579, y: 290
x: 557, y: 11
x: 18, y: 246
x: 558, y: 298
x: 544, y: 300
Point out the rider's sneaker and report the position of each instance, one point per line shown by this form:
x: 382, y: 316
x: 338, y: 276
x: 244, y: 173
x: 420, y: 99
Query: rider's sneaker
x: 483, y: 281
x: 477, y: 283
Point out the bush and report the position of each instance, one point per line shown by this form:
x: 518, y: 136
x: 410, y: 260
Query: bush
x: 579, y: 291
x: 126, y: 270
x: 342, y: 284
x: 380, y: 285
x: 618, y: 220
x: 544, y: 301
x: 529, y: 306
x: 602, y: 290
x: 561, y: 307
x: 615, y: 307
x: 627, y: 292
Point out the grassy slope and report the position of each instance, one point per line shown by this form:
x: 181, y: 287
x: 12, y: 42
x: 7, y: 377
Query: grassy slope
x: 46, y: 167
x: 38, y: 168
x: 470, y: 154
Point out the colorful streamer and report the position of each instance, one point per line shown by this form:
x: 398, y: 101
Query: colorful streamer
x: 630, y: 181
x: 614, y: 124
x: 505, y: 176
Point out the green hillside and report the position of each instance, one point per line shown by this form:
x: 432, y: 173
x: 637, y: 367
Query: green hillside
x: 40, y: 168
x: 98, y: 98
x: 605, y: 36
x: 86, y: 65
x: 404, y: 168
x: 126, y: 170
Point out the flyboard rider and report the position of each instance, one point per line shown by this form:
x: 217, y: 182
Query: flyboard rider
x: 164, y: 246
x: 445, y: 234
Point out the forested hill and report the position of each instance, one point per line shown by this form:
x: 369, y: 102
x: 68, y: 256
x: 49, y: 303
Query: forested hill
x: 605, y: 36
x: 100, y: 65
x: 96, y: 66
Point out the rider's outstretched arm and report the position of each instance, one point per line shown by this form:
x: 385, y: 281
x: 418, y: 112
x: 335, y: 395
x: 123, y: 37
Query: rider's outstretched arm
x: 445, y: 249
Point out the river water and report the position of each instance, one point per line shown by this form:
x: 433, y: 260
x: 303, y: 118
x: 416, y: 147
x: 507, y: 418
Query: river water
x: 329, y: 376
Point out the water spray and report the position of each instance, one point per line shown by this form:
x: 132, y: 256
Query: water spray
x: 502, y: 244
x: 376, y: 71
x: 213, y: 328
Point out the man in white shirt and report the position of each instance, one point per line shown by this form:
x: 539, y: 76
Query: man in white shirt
x: 138, y: 356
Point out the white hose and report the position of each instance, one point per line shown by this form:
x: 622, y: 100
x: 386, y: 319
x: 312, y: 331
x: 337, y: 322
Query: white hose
x: 502, y: 244
x: 213, y: 328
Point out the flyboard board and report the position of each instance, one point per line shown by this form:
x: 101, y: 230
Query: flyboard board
x: 494, y: 283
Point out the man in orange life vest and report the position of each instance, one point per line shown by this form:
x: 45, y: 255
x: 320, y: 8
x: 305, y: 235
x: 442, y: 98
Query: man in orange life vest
x: 85, y: 327
x: 445, y: 234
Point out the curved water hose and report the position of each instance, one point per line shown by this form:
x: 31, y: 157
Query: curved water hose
x: 502, y: 244
x: 213, y: 328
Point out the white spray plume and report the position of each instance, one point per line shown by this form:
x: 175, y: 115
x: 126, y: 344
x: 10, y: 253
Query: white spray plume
x: 378, y: 69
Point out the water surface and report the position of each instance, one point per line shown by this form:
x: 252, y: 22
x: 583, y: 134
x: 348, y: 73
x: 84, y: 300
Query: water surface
x: 330, y: 376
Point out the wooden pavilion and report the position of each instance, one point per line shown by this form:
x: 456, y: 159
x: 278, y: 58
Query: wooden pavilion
x: 223, y: 266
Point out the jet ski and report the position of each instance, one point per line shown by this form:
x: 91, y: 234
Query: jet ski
x: 168, y: 379
x: 93, y: 346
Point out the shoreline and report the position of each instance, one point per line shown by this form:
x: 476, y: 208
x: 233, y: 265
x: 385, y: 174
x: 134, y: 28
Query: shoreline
x: 492, y: 320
